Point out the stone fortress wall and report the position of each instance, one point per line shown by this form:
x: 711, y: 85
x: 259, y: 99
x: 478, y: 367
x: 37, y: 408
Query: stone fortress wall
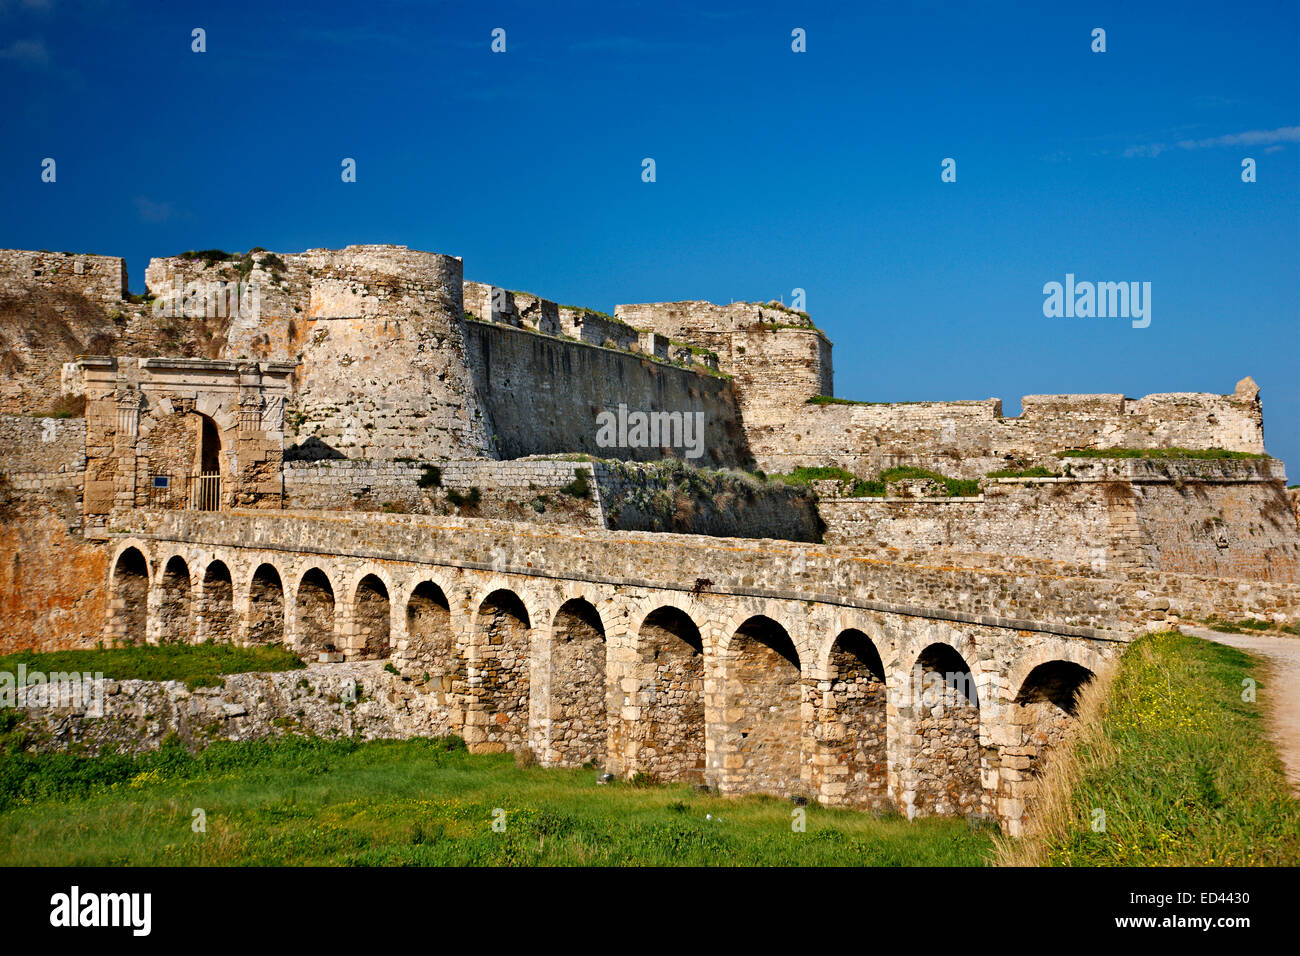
x: 543, y: 395
x: 390, y: 366
x: 729, y: 654
x: 101, y: 279
x: 52, y: 306
x: 626, y: 496
x: 51, y: 581
x: 969, y: 439
x: 781, y: 362
x: 400, y: 357
x: 42, y: 454
x: 1224, y: 519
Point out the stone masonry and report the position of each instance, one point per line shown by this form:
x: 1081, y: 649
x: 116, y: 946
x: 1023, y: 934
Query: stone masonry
x: 512, y: 631
x: 257, y: 427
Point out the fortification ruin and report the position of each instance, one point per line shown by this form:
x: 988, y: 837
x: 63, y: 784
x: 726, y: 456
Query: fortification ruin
x: 361, y: 455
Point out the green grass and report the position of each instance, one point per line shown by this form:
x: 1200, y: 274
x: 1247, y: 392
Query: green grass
x: 806, y: 474
x: 198, y: 665
x: 803, y: 475
x: 1214, y: 454
x: 1250, y: 624
x: 579, y: 487
x: 1181, y: 766
x: 1038, y: 471
x: 304, y: 801
x: 957, y: 487
x: 831, y: 400
x: 867, y: 488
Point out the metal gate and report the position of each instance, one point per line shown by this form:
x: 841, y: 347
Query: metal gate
x: 205, y: 491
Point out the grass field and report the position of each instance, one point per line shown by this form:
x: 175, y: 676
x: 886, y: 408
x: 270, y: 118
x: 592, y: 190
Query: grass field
x: 1177, y: 760
x: 300, y: 801
x: 1179, y: 764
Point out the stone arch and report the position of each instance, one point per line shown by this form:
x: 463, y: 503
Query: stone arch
x: 129, y: 590
x: 173, y: 613
x: 216, y: 615
x: 1045, y: 706
x: 763, y: 690
x: 315, y: 615
x: 577, y: 714
x: 883, y: 637
x: 372, y: 618
x: 722, y: 630
x: 502, y: 639
x: 939, y: 706
x: 850, y: 722
x: 432, y: 656
x: 1073, y: 651
x: 1039, y: 719
x: 667, y: 738
x: 265, y: 605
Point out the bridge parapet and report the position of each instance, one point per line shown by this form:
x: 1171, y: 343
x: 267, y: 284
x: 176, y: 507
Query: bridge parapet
x: 996, y: 590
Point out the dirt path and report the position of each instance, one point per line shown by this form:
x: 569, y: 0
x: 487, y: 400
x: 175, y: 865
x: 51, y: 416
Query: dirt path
x: 1280, y: 697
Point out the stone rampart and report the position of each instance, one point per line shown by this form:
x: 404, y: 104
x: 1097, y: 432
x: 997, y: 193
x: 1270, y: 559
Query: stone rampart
x: 969, y: 439
x: 596, y: 328
x: 101, y: 279
x: 1226, y: 519
x: 628, y: 496
x: 543, y: 396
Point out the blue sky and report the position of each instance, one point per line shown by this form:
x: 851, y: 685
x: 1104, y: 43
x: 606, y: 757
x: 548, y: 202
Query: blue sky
x: 775, y: 170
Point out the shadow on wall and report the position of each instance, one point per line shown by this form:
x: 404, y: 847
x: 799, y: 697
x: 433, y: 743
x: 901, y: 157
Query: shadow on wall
x: 312, y: 449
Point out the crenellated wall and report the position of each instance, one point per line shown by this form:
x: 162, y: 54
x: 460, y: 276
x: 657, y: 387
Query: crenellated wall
x: 780, y: 361
x: 970, y: 439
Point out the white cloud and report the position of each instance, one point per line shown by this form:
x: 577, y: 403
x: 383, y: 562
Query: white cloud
x: 150, y: 211
x: 29, y: 52
x: 1254, y: 137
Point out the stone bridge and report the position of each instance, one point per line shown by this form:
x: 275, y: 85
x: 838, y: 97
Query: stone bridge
x: 752, y: 666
